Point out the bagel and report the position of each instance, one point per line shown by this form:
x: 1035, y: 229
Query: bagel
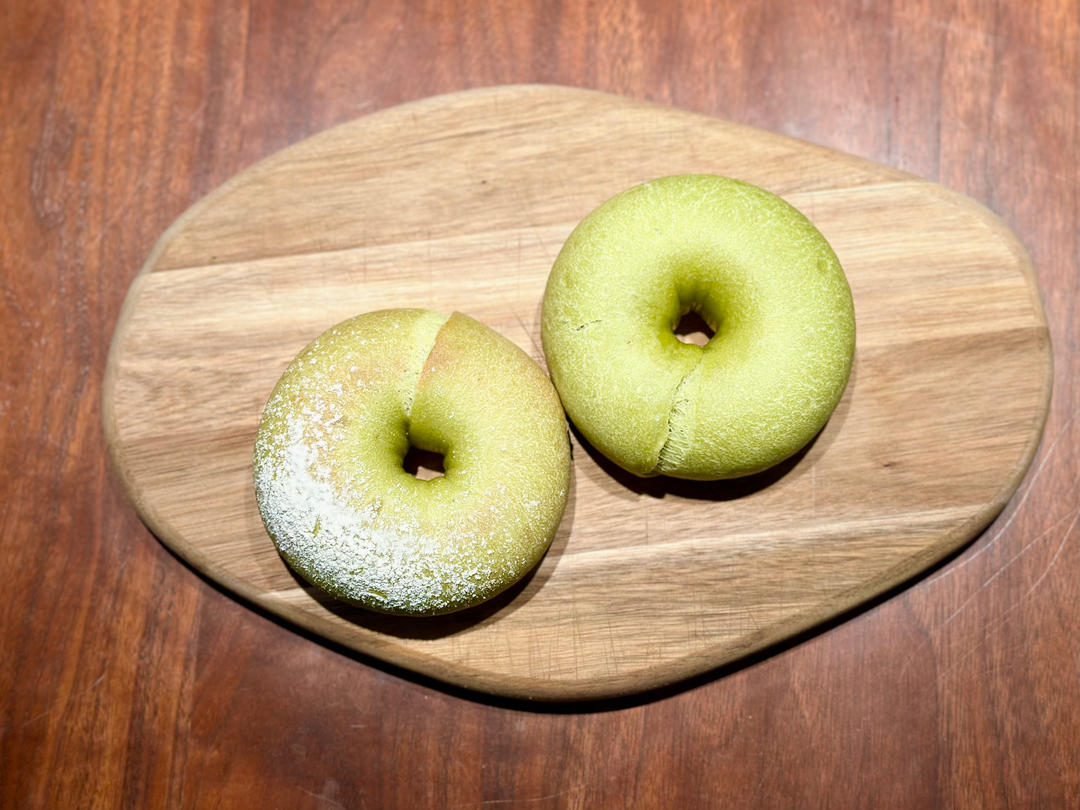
x: 757, y: 272
x: 345, y: 514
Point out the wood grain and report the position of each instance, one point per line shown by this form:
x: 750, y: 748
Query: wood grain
x: 127, y: 681
x: 459, y: 203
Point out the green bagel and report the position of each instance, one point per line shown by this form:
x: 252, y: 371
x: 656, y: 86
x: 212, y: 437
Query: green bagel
x: 759, y: 274
x: 347, y: 516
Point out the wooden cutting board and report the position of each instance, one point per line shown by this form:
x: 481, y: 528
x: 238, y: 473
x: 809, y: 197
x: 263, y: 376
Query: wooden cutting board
x: 461, y: 202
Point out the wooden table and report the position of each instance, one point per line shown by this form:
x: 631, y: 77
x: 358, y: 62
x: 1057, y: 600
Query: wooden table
x: 126, y: 679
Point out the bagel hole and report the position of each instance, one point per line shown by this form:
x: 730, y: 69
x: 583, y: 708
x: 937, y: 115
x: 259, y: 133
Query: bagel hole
x: 424, y: 464
x: 692, y: 328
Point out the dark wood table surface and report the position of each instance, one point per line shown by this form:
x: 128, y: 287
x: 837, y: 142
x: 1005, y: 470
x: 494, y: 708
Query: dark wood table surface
x: 127, y: 679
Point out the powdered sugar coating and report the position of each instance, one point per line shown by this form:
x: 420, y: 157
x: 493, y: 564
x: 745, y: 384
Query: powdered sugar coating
x: 343, y: 513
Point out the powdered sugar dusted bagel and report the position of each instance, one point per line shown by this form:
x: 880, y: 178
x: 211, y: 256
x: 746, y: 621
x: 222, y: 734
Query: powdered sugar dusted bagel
x: 341, y: 508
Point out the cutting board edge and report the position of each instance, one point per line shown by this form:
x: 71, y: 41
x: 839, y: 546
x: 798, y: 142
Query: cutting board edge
x: 700, y: 666
x: 266, y: 164
x: 638, y: 681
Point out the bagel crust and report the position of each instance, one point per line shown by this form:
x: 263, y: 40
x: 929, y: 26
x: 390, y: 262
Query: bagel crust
x: 762, y: 277
x: 343, y: 511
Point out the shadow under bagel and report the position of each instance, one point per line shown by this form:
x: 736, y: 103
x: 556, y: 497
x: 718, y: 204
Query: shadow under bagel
x: 618, y: 481
x: 585, y: 460
x: 585, y: 457
x: 660, y: 486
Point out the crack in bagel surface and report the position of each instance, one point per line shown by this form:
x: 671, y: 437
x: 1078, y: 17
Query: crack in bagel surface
x: 676, y: 443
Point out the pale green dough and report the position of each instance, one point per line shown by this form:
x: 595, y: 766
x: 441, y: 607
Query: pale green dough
x: 759, y: 273
x: 328, y: 471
